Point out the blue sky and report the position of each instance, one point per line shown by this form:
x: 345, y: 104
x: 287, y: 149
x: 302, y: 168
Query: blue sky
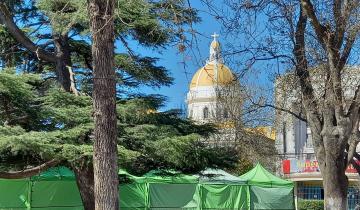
x: 173, y: 61
x: 182, y: 74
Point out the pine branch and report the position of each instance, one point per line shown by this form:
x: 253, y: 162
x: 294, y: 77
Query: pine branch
x: 7, y: 20
x: 29, y: 172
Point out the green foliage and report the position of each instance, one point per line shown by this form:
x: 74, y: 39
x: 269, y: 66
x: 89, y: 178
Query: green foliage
x: 182, y: 153
x: 147, y: 139
x: 242, y: 166
x: 154, y: 24
x: 143, y: 69
x: 39, y: 121
x: 135, y: 18
x: 163, y: 140
x: 64, y: 14
x: 66, y: 110
x: 310, y: 204
x: 19, y: 106
x: 7, y: 48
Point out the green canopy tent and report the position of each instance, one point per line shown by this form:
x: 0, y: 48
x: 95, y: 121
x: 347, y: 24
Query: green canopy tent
x: 54, y: 189
x: 133, y: 191
x: 211, y: 189
x: 219, y: 176
x: 221, y: 190
x: 267, y: 191
x: 172, y: 190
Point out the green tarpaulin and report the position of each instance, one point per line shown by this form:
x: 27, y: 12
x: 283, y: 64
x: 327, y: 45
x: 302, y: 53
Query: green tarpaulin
x: 271, y: 198
x: 133, y: 195
x: 219, y: 176
x: 267, y: 191
x: 56, y: 189
x: 13, y: 194
x: 221, y: 196
x: 259, y: 176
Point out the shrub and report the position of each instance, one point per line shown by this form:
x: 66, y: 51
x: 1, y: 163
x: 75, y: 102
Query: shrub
x: 310, y: 204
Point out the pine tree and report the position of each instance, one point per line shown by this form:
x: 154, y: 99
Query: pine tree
x: 50, y: 117
x: 104, y: 95
x: 64, y: 132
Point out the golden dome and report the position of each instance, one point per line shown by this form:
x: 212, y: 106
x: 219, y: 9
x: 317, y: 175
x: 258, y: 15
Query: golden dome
x: 205, y: 76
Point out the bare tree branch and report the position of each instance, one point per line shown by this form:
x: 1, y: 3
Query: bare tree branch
x: 297, y: 115
x: 302, y: 71
x: 309, y: 10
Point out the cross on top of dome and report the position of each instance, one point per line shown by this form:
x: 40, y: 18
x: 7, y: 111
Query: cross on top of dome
x: 215, y: 35
x: 215, y: 51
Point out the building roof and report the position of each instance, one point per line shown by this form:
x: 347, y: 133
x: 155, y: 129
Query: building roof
x: 205, y: 76
x: 215, y: 72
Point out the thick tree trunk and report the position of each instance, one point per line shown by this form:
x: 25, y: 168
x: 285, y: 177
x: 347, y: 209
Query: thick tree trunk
x: 85, y: 182
x: 335, y: 186
x: 333, y: 165
x: 104, y: 98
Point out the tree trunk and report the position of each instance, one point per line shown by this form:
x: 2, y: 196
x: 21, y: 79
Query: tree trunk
x: 104, y: 99
x: 333, y: 165
x: 85, y: 182
x: 63, y: 61
x: 335, y: 185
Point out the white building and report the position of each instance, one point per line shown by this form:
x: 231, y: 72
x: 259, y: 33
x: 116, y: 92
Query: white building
x: 293, y: 136
x: 214, y: 91
x: 215, y: 97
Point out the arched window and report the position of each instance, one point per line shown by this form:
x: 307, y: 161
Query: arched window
x: 226, y: 113
x: 206, y: 113
x: 191, y: 114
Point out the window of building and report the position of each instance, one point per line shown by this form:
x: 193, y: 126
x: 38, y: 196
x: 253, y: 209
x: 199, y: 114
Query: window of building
x: 284, y: 138
x: 308, y: 192
x: 206, y: 113
x: 191, y: 114
x: 311, y: 192
x: 226, y: 113
x: 308, y: 137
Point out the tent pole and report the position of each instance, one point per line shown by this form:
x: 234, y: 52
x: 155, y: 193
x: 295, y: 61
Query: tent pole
x: 29, y: 195
x: 295, y: 196
x: 248, y: 197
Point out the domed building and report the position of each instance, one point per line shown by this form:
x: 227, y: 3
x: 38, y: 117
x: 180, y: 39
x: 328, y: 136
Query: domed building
x: 215, y: 97
x: 214, y: 91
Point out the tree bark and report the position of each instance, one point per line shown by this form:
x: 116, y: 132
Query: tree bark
x: 63, y: 63
x: 104, y: 100
x: 85, y: 181
x: 335, y: 183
